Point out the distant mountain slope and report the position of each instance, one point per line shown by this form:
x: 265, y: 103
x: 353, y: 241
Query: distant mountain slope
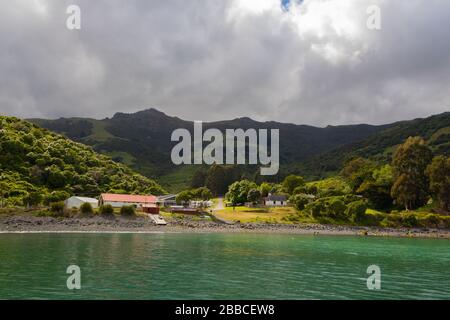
x: 380, y: 147
x: 142, y: 139
x: 33, y: 159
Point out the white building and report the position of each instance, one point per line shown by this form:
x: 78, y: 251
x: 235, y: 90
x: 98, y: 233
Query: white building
x: 275, y: 201
x: 167, y: 200
x: 76, y: 202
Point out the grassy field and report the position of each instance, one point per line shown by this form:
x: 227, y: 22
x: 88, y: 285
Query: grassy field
x: 270, y: 215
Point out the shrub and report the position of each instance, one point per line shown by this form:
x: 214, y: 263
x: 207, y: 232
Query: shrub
x: 86, y: 208
x: 357, y: 211
x: 57, y: 207
x: 106, y: 209
x: 336, y: 208
x: 410, y: 220
x: 430, y: 220
x: 56, y: 196
x: 316, y: 209
x: 128, y: 211
x: 299, y: 201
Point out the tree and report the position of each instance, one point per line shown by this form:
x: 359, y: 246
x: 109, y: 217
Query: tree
x: 409, y: 163
x: 215, y: 180
x: 356, y: 171
x: 3, y: 192
x: 356, y: 211
x: 238, y: 191
x: 254, y: 196
x: 206, y: 194
x: 377, y: 188
x: 198, y: 179
x: 33, y: 198
x: 299, y: 201
x: 291, y: 182
x: 184, y: 197
x: 56, y: 196
x: 438, y: 172
x: 264, y: 189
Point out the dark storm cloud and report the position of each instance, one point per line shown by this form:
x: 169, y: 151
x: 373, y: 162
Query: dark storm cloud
x: 315, y: 63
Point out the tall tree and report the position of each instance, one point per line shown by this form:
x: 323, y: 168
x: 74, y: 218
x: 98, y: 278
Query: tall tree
x: 409, y: 163
x: 198, y: 179
x: 291, y: 182
x: 215, y: 180
x: 439, y: 174
x: 356, y: 171
x: 238, y: 191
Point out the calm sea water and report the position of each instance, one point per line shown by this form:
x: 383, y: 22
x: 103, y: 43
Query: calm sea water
x: 221, y: 266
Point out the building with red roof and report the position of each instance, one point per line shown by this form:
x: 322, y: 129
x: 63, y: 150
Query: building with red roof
x: 120, y: 200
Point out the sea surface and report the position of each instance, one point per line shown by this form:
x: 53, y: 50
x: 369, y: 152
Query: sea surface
x: 221, y: 266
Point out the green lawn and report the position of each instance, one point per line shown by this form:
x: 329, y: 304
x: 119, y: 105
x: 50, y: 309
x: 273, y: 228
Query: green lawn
x: 245, y: 214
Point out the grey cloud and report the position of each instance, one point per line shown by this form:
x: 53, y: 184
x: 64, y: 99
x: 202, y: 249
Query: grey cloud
x: 209, y: 60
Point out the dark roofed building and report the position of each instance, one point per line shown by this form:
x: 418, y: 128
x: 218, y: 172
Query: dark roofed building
x: 273, y: 200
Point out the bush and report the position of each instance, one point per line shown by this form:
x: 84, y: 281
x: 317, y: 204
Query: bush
x: 299, y: 201
x: 357, y: 211
x: 86, y: 208
x: 430, y: 220
x: 317, y: 209
x: 56, y: 196
x: 106, y: 209
x: 57, y: 207
x: 410, y: 220
x: 128, y: 211
x: 337, y: 208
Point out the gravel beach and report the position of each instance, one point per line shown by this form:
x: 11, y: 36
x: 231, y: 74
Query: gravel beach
x: 28, y: 223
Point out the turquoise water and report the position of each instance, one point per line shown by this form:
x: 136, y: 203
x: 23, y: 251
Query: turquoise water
x: 221, y: 266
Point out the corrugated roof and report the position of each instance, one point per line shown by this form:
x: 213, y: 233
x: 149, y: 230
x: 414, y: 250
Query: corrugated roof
x: 85, y: 199
x: 128, y: 198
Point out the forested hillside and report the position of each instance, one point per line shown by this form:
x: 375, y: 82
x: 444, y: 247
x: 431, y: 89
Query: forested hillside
x: 142, y: 139
x: 380, y: 146
x: 38, y: 165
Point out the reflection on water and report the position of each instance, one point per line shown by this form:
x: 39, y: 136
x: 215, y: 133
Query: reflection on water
x: 221, y: 266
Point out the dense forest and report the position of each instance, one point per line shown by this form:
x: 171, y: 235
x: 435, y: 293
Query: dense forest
x: 37, y: 165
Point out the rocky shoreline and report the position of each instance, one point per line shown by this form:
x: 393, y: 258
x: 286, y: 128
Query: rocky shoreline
x: 29, y: 223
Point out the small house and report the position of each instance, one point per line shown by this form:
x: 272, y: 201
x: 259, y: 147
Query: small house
x: 76, y: 202
x: 275, y: 200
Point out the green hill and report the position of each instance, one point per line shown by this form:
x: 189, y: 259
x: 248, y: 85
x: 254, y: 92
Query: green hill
x: 380, y: 146
x: 35, y: 161
x: 141, y: 140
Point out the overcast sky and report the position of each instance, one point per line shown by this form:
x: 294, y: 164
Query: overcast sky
x: 313, y: 62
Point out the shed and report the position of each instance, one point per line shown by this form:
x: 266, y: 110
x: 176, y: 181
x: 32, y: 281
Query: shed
x: 76, y: 202
x: 150, y: 208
